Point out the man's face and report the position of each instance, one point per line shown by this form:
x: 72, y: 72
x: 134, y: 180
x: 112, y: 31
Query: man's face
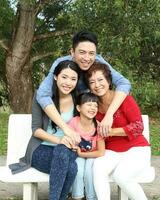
x: 84, y: 54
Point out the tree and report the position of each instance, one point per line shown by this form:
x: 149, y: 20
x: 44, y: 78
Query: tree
x: 129, y: 38
x: 20, y: 54
x: 128, y: 33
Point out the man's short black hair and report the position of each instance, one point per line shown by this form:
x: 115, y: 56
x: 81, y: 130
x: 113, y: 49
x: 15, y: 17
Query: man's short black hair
x: 83, y: 36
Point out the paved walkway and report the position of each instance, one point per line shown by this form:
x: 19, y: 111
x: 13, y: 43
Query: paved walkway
x: 9, y: 191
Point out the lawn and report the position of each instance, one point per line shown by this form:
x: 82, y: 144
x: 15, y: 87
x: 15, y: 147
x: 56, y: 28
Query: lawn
x: 154, y: 133
x: 3, y: 132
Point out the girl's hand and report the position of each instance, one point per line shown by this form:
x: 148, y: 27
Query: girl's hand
x: 78, y: 151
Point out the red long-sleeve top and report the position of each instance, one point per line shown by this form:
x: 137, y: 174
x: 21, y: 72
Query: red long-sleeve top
x: 128, y: 117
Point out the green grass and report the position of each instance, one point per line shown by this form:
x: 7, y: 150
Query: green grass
x: 3, y: 132
x: 154, y: 133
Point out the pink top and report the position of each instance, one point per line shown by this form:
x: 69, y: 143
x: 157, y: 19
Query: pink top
x: 73, y: 123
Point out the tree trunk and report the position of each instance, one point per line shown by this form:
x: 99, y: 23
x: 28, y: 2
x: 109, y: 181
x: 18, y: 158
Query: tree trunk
x: 18, y: 65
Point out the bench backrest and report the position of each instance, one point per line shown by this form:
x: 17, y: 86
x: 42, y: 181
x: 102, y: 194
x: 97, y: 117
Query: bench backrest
x: 19, y: 133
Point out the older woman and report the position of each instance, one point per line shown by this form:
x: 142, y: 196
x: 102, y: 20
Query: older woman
x: 127, y: 151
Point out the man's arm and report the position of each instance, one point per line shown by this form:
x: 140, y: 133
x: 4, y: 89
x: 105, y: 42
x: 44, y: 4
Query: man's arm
x: 121, y: 83
x: 123, y: 87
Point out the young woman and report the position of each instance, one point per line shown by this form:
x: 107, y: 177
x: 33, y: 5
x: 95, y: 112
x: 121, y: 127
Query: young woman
x: 91, y: 145
x: 127, y: 151
x: 49, y: 150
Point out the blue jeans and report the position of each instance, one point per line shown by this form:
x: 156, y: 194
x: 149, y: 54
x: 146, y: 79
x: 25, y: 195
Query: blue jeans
x: 83, y: 183
x: 59, y: 163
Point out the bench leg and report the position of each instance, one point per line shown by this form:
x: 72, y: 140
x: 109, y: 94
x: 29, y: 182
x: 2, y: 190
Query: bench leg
x: 121, y: 194
x: 30, y: 191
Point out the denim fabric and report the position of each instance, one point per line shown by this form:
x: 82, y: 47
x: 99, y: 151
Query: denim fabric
x: 83, y: 183
x: 59, y: 162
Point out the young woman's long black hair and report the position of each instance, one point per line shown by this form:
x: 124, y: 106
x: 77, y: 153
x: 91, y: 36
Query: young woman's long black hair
x: 64, y: 65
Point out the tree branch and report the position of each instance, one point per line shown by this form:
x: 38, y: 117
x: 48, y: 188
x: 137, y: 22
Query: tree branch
x: 51, y: 34
x: 41, y: 3
x: 3, y: 45
x: 38, y: 57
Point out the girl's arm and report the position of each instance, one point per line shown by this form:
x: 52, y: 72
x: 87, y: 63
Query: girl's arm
x: 43, y: 135
x: 93, y: 154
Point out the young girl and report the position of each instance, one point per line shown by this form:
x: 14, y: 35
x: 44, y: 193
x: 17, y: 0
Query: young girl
x: 43, y: 153
x: 92, y: 145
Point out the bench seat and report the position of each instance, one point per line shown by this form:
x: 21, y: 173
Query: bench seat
x: 19, y: 133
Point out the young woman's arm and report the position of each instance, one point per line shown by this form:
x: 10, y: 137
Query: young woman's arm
x: 39, y: 121
x: 55, y: 116
x: 93, y: 154
x: 43, y: 135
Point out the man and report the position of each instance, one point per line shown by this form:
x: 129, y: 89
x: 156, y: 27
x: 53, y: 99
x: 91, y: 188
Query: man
x: 83, y: 52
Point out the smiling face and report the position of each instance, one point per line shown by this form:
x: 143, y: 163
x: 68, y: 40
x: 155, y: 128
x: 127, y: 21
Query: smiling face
x: 66, y: 81
x: 98, y: 83
x: 84, y: 54
x: 88, y: 109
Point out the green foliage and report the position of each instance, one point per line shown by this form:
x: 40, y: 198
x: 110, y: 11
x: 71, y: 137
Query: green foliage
x: 128, y: 33
x: 3, y: 85
x: 146, y: 92
x: 129, y: 38
x: 147, y: 96
x: 6, y: 17
x: 51, y: 18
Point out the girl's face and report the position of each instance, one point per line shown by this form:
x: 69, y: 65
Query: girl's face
x: 66, y: 80
x: 98, y: 83
x: 88, y: 109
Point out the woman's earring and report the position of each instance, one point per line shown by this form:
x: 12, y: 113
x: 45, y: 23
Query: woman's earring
x: 55, y: 78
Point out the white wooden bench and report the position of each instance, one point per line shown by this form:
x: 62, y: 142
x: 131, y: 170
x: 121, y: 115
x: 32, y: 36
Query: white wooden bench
x: 19, y: 133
